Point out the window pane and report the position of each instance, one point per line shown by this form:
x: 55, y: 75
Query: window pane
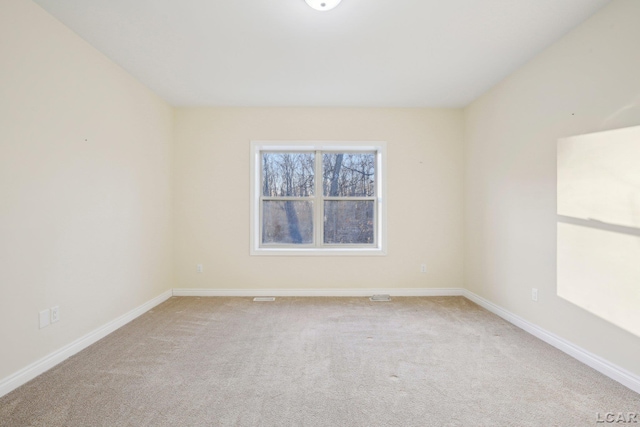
x: 348, y: 222
x: 348, y: 174
x: 287, y: 222
x: 288, y: 174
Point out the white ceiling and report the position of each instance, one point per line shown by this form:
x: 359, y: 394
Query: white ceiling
x: 363, y: 53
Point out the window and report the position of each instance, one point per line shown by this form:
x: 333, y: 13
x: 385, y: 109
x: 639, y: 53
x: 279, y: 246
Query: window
x: 319, y: 198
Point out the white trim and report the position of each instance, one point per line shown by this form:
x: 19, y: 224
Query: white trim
x: 601, y: 365
x: 398, y: 292
x: 326, y: 251
x: 616, y: 373
x: 28, y: 373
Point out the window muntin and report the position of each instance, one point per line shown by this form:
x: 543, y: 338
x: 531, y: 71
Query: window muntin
x: 317, y: 199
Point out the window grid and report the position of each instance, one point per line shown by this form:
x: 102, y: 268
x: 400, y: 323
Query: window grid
x: 373, y: 216
x: 318, y: 201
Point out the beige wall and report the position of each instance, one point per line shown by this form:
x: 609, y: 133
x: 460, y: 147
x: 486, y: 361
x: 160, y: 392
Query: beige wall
x: 85, y: 172
x: 587, y: 82
x: 424, y: 182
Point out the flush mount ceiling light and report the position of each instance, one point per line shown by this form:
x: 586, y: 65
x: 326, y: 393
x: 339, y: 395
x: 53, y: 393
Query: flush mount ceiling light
x: 323, y: 5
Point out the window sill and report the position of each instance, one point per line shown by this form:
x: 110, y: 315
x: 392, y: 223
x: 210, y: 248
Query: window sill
x: 318, y: 252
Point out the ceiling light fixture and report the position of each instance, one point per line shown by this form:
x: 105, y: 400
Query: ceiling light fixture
x: 323, y: 5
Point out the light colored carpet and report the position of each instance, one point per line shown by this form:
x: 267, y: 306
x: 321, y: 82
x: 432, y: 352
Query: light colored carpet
x: 439, y: 361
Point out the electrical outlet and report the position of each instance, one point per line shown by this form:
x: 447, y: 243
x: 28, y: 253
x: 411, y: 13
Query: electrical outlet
x: 45, y: 318
x: 423, y: 268
x: 55, y: 314
x: 199, y: 268
x: 534, y: 294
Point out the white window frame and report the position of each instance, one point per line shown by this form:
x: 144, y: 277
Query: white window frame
x: 380, y: 210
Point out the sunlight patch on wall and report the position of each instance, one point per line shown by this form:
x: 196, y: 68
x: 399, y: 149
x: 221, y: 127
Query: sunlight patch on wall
x: 598, y: 251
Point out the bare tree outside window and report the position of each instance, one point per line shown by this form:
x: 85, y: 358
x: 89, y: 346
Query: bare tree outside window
x: 287, y: 175
x: 318, y: 199
x: 349, y: 174
x: 349, y: 188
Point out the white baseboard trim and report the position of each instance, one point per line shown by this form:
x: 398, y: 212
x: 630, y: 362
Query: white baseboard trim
x: 603, y: 366
x: 40, y: 366
x: 398, y: 292
x: 624, y: 377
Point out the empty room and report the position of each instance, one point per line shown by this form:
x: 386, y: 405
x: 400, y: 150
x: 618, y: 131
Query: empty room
x: 319, y: 213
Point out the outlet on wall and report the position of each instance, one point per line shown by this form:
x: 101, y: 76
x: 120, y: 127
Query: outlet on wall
x: 534, y: 294
x: 55, y: 314
x: 423, y: 268
x: 199, y: 268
